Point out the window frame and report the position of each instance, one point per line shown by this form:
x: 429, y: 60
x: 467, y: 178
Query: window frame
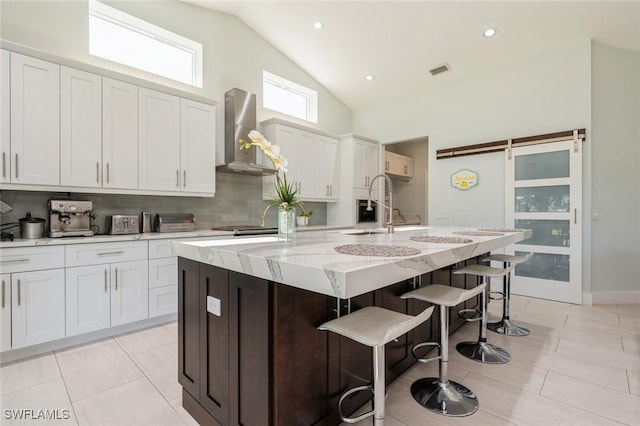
x: 310, y: 95
x: 128, y: 22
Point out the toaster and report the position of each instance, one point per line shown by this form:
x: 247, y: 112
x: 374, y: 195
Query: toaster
x: 174, y: 222
x: 119, y: 224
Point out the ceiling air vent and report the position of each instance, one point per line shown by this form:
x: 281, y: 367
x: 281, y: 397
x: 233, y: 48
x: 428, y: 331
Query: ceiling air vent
x: 439, y: 70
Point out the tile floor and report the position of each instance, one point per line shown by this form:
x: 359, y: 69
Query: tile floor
x: 580, y: 366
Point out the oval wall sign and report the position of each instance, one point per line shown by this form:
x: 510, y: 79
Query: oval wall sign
x: 464, y: 179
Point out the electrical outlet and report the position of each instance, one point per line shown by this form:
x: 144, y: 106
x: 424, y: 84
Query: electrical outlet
x: 213, y: 305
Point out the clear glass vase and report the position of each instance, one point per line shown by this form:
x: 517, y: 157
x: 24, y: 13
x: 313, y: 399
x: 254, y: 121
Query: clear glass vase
x: 286, y: 223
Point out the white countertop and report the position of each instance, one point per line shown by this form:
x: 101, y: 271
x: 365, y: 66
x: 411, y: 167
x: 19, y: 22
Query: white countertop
x: 310, y: 261
x: 18, y: 242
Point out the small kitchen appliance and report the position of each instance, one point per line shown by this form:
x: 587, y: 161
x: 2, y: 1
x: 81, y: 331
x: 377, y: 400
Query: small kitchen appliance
x: 70, y: 218
x: 181, y: 222
x: 31, y: 227
x: 120, y: 224
x: 145, y: 224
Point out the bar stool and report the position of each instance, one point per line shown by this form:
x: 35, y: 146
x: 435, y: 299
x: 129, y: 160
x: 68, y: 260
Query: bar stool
x: 505, y: 326
x: 482, y: 351
x: 440, y: 394
x: 374, y: 327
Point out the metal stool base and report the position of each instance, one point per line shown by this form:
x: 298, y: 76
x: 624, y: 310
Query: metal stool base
x: 451, y: 399
x: 508, y: 328
x: 483, y: 352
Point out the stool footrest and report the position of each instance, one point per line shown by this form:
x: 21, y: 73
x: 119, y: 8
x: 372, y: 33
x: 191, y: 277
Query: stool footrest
x: 462, y: 314
x: 500, y: 295
x: 346, y: 394
x: 422, y: 345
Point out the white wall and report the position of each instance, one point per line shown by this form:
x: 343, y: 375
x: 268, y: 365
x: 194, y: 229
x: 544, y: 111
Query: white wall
x: 234, y: 55
x: 411, y: 197
x: 542, y: 94
x: 616, y: 156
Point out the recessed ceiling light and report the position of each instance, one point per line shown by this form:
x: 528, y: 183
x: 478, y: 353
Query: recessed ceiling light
x: 490, y: 32
x: 370, y: 77
x: 318, y: 25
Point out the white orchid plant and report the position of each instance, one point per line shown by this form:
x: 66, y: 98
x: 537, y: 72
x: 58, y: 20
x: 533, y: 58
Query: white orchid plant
x: 286, y: 196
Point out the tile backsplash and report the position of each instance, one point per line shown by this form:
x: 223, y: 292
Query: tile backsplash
x: 238, y: 201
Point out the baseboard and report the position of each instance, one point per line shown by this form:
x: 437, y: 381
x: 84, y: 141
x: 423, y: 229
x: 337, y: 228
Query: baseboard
x: 615, y: 297
x: 587, y: 299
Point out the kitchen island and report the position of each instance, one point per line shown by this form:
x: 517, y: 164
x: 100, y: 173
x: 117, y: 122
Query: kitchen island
x: 248, y: 310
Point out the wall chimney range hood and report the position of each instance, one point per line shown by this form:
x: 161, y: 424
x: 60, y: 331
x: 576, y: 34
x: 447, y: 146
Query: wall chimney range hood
x: 239, y: 120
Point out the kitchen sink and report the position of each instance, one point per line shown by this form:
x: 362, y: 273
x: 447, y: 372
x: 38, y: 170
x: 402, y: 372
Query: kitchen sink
x: 364, y: 231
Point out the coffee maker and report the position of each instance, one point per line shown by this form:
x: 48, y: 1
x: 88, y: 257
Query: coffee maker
x: 70, y: 218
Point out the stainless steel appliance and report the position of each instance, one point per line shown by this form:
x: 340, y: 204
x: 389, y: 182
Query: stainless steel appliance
x: 180, y: 222
x: 31, y: 227
x: 145, y: 225
x: 119, y: 224
x: 239, y: 120
x: 239, y: 230
x: 70, y: 218
x: 364, y: 215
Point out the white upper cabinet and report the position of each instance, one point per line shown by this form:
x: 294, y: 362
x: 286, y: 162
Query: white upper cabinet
x: 328, y: 182
x: 80, y: 128
x: 35, y: 121
x: 197, y: 150
x: 312, y: 162
x: 5, y: 119
x: 119, y: 134
x: 159, y: 140
x: 398, y: 165
x: 365, y: 163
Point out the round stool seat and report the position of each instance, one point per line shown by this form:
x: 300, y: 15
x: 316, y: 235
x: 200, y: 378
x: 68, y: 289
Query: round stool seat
x: 374, y: 326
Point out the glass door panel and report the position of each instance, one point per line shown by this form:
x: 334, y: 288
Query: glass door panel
x: 543, y: 193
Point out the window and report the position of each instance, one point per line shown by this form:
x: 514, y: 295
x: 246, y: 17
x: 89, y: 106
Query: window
x: 290, y: 98
x: 122, y: 38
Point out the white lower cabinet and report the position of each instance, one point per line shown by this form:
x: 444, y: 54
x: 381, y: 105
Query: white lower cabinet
x: 5, y: 313
x: 37, y: 307
x: 163, y: 300
x: 101, y: 296
x: 163, y: 279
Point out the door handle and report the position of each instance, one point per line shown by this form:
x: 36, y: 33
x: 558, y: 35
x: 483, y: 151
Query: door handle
x: 107, y: 172
x: 184, y: 178
x: 3, y: 285
x: 177, y: 178
x: 18, y: 292
x: 98, y: 171
x: 116, y: 279
x: 105, y: 280
x: 4, y: 164
x: 16, y: 166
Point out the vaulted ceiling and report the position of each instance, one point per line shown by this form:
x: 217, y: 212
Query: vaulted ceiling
x: 398, y: 42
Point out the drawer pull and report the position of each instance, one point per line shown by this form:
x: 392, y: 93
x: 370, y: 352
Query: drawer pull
x: 111, y: 253
x: 14, y: 260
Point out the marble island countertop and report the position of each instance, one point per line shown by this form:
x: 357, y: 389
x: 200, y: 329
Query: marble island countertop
x: 311, y: 261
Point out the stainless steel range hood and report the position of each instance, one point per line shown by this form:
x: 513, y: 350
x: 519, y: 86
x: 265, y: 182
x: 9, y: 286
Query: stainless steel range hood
x: 239, y: 120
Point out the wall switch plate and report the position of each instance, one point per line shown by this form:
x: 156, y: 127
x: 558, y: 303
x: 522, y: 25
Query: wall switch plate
x: 213, y: 305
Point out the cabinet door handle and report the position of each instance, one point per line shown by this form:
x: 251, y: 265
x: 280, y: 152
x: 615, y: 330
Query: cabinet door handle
x: 4, y: 164
x: 184, y: 178
x: 110, y: 253
x: 107, y: 172
x: 331, y: 190
x: 3, y: 284
x: 116, y: 279
x: 98, y: 171
x: 406, y: 172
x: 105, y: 280
x: 18, y: 292
x: 177, y: 178
x: 16, y: 165
x: 14, y: 260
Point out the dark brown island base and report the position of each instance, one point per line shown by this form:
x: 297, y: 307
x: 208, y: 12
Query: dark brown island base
x: 259, y: 359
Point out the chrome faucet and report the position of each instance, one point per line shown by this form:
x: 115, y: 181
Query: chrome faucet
x: 389, y: 223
